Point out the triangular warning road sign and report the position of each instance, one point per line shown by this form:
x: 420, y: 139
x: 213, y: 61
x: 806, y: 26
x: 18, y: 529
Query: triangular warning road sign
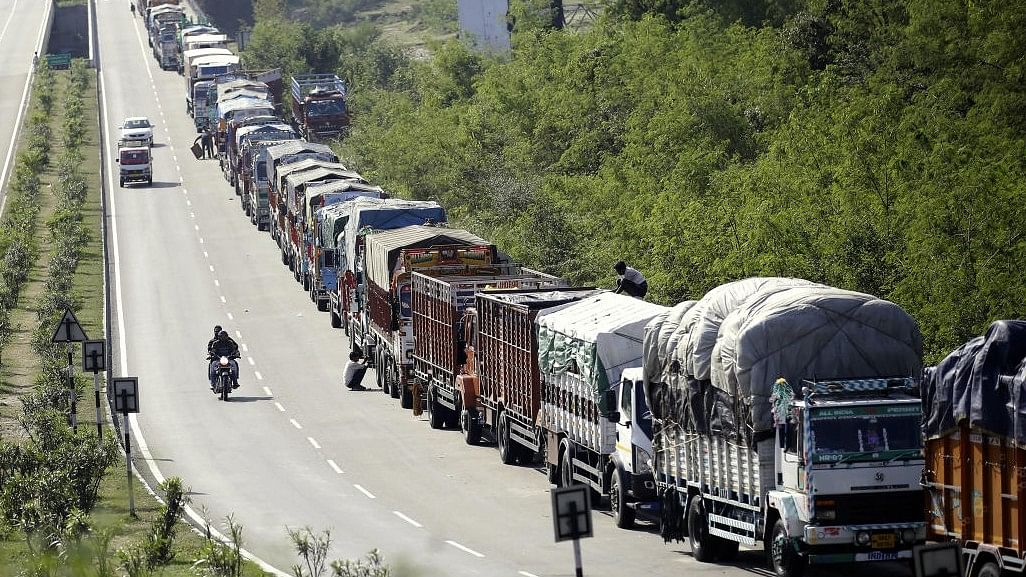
x: 69, y: 331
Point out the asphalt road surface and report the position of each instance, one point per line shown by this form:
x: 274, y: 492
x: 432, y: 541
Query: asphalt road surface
x: 21, y: 23
x: 292, y: 449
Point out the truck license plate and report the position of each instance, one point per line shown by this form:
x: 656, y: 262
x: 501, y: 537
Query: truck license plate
x: 884, y: 541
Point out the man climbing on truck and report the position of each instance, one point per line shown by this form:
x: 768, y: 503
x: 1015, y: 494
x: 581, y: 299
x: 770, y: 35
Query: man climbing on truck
x: 631, y: 281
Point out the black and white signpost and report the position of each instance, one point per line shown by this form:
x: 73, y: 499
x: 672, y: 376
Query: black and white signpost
x: 70, y: 331
x: 938, y: 560
x: 571, y: 515
x: 126, y: 400
x: 94, y: 358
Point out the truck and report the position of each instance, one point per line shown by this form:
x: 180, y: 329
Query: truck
x: 496, y: 352
x: 446, y: 309
x: 250, y: 129
x: 383, y: 327
x: 189, y: 72
x: 320, y: 196
x: 369, y: 215
x: 295, y: 214
x: 143, y: 7
x: 168, y: 16
x: 165, y: 48
x: 256, y: 194
x: 974, y: 439
x: 787, y: 412
x: 319, y: 105
x: 277, y: 157
x: 250, y: 138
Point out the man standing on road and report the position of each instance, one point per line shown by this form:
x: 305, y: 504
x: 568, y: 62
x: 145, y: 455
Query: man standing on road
x: 207, y: 141
x: 631, y: 281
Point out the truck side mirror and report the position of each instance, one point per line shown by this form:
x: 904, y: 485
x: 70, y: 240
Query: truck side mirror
x: 609, y: 399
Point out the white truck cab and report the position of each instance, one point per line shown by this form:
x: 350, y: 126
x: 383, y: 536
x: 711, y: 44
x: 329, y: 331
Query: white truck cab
x: 632, y: 487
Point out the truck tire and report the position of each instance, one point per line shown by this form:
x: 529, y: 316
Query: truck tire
x: 452, y: 418
x: 336, y: 321
x: 436, y: 417
x: 393, y: 384
x: 379, y: 378
x: 566, y: 471
x: 470, y: 427
x: 622, y: 513
x: 783, y: 559
x: 507, y: 452
x: 703, y: 545
x: 988, y: 569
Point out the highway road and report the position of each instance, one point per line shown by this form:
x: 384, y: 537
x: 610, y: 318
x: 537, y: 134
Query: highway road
x: 21, y: 31
x: 292, y: 449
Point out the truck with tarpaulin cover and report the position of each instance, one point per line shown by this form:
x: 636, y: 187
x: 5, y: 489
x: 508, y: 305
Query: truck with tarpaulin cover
x: 369, y: 215
x: 583, y: 349
x: 496, y: 355
x: 223, y: 87
x: 319, y: 105
x: 295, y: 193
x: 238, y: 114
x: 787, y: 412
x: 974, y: 402
x: 442, y: 305
x: 250, y: 129
x: 384, y: 326
x: 277, y: 158
x: 251, y: 141
x: 321, y: 196
x: 165, y: 47
x: 189, y: 59
x: 257, y: 192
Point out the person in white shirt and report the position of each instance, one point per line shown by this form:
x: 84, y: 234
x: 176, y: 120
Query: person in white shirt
x: 353, y: 372
x: 631, y: 281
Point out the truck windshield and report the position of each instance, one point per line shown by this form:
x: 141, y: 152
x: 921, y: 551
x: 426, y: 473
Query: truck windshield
x: 864, y: 433
x: 134, y: 157
x: 326, y: 108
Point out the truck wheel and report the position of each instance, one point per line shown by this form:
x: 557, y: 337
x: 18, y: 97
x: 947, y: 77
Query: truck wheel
x: 988, y: 569
x: 322, y: 305
x: 566, y: 471
x: 149, y: 181
x: 783, y: 559
x: 452, y: 418
x: 507, y: 453
x: 702, y: 543
x: 393, y: 383
x: 435, y: 417
x: 379, y: 378
x: 122, y: 183
x: 470, y: 427
x: 622, y: 514
x: 336, y: 321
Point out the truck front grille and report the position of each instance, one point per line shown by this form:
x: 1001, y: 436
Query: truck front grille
x: 873, y: 508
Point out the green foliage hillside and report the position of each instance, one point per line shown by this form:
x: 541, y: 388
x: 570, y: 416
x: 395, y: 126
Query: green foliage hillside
x: 874, y: 145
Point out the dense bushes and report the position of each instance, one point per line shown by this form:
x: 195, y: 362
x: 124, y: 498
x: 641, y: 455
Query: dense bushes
x: 873, y: 146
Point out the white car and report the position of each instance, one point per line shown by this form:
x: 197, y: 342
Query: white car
x: 137, y: 129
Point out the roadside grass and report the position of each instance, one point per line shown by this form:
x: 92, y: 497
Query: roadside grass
x: 21, y: 365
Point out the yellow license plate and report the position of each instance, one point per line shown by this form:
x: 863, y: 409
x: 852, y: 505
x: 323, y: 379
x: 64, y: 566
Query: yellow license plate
x: 885, y: 541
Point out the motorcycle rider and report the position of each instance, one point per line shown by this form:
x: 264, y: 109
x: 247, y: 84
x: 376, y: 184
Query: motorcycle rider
x: 210, y: 343
x: 223, y: 346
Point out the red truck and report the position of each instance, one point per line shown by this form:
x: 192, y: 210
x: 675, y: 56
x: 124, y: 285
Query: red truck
x: 440, y: 349
x: 319, y: 105
x: 497, y: 378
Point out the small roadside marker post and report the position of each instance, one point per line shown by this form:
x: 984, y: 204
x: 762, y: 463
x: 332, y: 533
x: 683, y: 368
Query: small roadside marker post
x: 94, y: 358
x: 571, y: 516
x: 70, y: 331
x: 126, y: 400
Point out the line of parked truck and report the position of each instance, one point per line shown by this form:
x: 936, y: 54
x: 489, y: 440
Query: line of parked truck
x: 770, y: 410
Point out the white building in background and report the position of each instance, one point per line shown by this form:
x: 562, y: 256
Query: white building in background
x: 484, y: 24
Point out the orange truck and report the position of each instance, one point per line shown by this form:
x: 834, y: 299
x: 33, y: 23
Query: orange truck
x: 975, y: 429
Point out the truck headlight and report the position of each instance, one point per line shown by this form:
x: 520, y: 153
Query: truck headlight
x: 826, y: 514
x: 862, y: 538
x: 908, y: 535
x: 643, y: 460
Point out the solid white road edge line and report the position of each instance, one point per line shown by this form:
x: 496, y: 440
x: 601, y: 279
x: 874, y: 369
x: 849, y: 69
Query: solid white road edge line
x: 21, y: 112
x: 364, y: 491
x: 335, y: 466
x: 465, y: 549
x: 140, y: 440
x: 407, y: 519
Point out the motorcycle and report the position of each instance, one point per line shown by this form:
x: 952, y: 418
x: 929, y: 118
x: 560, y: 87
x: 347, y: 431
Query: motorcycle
x: 223, y: 376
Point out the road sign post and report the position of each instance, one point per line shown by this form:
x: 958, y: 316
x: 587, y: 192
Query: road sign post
x: 940, y: 560
x: 126, y: 400
x: 94, y: 358
x: 571, y: 516
x: 70, y: 331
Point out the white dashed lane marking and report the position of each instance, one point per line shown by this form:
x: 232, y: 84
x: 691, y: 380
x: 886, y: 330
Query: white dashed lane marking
x: 295, y: 423
x: 465, y: 549
x: 335, y: 466
x: 279, y: 407
x: 407, y: 519
x: 364, y: 491
x: 314, y: 442
x: 260, y: 378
